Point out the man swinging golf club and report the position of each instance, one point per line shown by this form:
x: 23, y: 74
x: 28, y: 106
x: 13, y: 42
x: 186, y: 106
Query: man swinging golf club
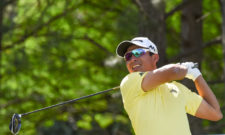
x: 155, y: 102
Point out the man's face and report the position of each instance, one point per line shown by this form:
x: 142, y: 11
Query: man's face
x: 142, y: 63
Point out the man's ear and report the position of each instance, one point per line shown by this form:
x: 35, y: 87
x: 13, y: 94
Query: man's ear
x: 156, y: 58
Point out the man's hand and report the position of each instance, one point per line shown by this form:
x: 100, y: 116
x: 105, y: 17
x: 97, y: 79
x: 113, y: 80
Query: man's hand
x: 192, y: 71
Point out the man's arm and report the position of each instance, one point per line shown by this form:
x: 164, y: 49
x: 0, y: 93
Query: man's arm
x: 209, y: 108
x: 164, y: 74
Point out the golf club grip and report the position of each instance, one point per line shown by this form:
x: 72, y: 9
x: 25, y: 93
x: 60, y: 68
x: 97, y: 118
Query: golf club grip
x: 195, y: 65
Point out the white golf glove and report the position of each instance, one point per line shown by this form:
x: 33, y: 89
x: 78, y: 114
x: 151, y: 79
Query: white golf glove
x: 192, y: 70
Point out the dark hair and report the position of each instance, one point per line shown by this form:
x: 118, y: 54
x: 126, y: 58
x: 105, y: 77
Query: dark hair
x: 150, y: 53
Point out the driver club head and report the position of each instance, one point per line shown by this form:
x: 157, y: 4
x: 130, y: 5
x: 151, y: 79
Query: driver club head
x: 15, y: 123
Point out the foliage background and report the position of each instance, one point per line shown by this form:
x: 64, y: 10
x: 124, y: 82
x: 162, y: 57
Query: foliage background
x: 54, y: 50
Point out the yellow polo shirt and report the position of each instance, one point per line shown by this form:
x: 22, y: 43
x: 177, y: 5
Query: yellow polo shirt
x: 160, y: 111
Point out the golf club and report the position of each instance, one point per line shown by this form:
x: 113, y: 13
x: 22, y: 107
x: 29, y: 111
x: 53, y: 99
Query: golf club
x: 15, y: 123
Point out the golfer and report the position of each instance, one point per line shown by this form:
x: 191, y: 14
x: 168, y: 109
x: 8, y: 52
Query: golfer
x: 155, y: 102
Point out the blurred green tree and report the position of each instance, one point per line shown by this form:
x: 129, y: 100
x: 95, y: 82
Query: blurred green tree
x: 53, y: 50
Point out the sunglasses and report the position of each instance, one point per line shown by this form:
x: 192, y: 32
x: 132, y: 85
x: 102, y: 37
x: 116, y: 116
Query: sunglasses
x: 137, y: 53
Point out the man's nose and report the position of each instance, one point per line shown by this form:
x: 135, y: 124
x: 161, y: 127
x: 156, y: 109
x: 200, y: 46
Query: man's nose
x: 133, y: 58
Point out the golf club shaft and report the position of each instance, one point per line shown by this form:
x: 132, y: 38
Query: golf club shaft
x: 73, y: 100
x: 70, y: 101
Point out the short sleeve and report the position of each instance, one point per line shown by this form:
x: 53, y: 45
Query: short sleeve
x: 131, y: 87
x: 191, y: 99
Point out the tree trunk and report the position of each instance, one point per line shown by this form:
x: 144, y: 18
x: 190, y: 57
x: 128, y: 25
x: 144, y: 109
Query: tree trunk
x: 1, y: 29
x: 191, y: 36
x: 152, y: 24
x: 222, y: 5
x: 191, y: 30
x: 1, y: 20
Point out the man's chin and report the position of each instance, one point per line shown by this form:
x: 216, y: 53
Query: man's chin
x: 136, y: 70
